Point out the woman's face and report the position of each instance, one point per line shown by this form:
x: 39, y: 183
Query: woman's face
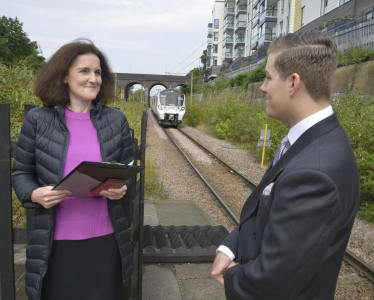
x: 84, y: 78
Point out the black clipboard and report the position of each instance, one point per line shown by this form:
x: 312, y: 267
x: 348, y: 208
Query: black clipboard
x: 88, y: 175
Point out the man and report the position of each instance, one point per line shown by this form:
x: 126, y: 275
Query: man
x: 295, y: 225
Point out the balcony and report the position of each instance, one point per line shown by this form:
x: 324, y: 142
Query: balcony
x: 270, y: 14
x: 227, y: 56
x: 241, y: 8
x: 210, y: 32
x: 267, y: 37
x: 209, y: 42
x: 254, y: 42
x: 255, y: 19
x: 229, y: 39
x: 239, y: 54
x: 229, y: 26
x: 241, y: 25
x: 240, y: 39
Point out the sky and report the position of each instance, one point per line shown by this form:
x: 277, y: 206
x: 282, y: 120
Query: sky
x: 137, y: 36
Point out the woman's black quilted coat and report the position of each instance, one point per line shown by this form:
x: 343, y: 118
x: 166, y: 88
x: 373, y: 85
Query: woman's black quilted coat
x: 39, y: 161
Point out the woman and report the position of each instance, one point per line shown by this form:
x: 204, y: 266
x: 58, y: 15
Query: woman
x: 91, y: 253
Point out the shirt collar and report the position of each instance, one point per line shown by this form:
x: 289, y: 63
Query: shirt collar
x: 297, y: 130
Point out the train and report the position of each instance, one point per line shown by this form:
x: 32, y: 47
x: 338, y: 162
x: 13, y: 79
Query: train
x: 169, y: 107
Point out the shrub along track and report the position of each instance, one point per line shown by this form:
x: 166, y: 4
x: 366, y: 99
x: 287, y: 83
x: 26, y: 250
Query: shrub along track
x: 231, y: 189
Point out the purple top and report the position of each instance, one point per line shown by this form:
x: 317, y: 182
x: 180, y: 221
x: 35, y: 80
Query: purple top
x: 81, y: 218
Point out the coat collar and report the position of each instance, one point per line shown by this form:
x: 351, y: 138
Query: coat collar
x: 273, y: 173
x: 95, y: 112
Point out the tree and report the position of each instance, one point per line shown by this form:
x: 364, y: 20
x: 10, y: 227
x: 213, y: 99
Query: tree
x: 204, y: 59
x: 14, y: 43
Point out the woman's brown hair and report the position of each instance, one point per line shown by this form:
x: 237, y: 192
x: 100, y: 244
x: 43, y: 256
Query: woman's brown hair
x: 49, y: 85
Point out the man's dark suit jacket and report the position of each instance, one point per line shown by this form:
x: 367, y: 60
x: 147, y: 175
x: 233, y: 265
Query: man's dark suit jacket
x: 290, y: 244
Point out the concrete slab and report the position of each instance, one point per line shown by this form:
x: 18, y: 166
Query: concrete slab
x: 181, y: 212
x: 150, y: 214
x: 19, y: 251
x: 160, y: 283
x: 193, y: 271
x: 351, y: 278
x: 197, y: 283
x: 204, y: 289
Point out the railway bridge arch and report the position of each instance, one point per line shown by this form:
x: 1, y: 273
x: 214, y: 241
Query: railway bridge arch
x: 148, y: 81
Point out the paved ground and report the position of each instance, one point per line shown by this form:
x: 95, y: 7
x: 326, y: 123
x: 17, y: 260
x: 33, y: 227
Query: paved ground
x: 160, y: 281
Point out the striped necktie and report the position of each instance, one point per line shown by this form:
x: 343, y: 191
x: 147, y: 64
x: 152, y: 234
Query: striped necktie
x: 282, y: 149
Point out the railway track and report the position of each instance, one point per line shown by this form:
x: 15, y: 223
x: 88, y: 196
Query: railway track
x: 230, y: 207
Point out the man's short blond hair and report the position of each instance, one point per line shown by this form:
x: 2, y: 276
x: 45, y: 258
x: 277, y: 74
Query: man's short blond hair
x: 312, y: 55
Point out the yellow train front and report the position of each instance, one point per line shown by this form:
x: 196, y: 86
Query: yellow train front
x: 169, y: 107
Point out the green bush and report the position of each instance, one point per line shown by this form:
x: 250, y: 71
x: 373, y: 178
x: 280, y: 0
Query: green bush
x: 356, y: 114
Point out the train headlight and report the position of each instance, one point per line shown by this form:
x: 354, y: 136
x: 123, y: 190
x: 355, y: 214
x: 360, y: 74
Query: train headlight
x: 182, y: 108
x: 160, y: 107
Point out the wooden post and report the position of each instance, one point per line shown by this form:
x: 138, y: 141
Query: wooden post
x: 6, y: 231
x: 191, y: 88
x: 263, y: 149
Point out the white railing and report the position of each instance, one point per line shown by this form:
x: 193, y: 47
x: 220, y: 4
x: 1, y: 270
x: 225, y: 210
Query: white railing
x: 361, y: 35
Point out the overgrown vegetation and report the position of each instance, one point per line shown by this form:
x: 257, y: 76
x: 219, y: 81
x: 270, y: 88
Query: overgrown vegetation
x: 356, y: 54
x: 227, y: 114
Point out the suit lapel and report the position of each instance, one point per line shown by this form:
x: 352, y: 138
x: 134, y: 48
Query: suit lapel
x: 272, y: 173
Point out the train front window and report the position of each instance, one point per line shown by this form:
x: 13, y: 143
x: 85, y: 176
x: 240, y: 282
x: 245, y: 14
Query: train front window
x: 171, y: 99
x: 180, y: 100
x: 163, y: 99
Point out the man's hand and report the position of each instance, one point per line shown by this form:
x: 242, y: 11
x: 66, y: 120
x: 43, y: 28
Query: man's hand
x: 114, y: 194
x: 221, y: 263
x: 48, y: 198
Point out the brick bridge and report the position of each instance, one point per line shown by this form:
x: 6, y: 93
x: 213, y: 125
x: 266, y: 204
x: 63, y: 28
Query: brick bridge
x: 148, y: 81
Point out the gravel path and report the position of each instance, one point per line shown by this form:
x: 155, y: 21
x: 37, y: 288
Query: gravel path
x: 182, y: 183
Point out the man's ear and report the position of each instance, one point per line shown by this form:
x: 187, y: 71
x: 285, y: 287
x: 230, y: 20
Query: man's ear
x: 295, y: 84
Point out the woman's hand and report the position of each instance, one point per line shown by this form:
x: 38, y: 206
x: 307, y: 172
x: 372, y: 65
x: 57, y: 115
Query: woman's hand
x: 114, y: 194
x: 48, y: 198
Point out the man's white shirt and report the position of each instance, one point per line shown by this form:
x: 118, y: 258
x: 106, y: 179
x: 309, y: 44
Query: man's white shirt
x: 294, y: 133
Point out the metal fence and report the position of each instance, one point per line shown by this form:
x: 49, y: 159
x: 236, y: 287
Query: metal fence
x: 242, y: 70
x: 133, y: 204
x: 360, y: 35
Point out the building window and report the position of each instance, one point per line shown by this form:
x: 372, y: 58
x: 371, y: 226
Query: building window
x: 214, y: 60
x: 216, y: 36
x: 281, y: 28
x: 215, y: 48
x: 302, y: 16
x: 287, y: 25
x: 282, y: 6
x: 216, y: 23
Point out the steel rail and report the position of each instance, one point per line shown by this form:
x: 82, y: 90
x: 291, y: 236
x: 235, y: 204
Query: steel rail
x: 349, y: 257
x: 221, y: 161
x: 359, y: 264
x: 226, y: 208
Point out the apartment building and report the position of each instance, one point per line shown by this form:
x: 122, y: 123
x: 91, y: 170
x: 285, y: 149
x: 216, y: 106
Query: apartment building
x: 215, y: 37
x: 251, y: 25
